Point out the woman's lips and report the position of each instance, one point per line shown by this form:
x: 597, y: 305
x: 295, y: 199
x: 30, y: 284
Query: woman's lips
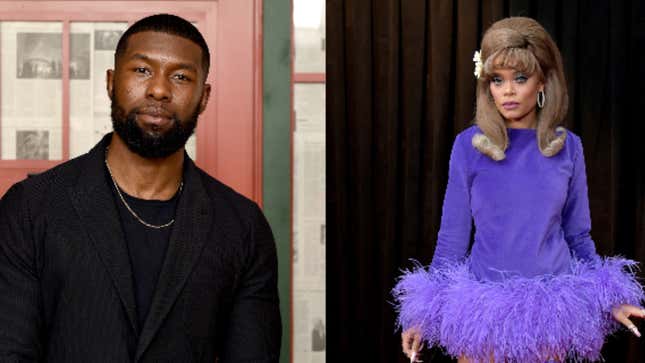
x: 510, y: 105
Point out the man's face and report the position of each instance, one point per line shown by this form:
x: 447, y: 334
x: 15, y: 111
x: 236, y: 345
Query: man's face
x: 157, y: 90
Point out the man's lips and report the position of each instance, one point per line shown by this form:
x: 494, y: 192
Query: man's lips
x: 155, y: 117
x: 510, y: 105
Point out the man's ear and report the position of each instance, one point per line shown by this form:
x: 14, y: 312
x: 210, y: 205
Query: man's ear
x: 109, y: 80
x: 205, y: 96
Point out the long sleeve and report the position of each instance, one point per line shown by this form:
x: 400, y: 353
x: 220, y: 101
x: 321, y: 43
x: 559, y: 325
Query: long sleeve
x: 420, y: 293
x: 456, y: 220
x: 255, y: 329
x: 576, y: 219
x: 20, y: 318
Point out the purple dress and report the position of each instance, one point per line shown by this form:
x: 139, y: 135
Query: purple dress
x: 531, y: 287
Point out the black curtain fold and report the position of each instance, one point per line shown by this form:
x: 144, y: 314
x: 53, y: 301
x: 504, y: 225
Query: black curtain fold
x: 400, y: 86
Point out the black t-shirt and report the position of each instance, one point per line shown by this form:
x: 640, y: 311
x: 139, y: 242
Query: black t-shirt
x: 146, y: 246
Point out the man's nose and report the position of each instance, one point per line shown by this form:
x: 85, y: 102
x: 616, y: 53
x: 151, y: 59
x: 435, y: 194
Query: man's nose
x: 159, y: 88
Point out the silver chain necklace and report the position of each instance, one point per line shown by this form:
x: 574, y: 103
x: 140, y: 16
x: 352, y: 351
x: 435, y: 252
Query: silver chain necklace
x: 127, y: 206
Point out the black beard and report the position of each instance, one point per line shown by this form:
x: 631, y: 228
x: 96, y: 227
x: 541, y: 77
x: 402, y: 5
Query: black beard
x: 148, y: 145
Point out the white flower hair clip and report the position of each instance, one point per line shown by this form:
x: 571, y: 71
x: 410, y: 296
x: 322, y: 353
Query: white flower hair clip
x: 477, y: 58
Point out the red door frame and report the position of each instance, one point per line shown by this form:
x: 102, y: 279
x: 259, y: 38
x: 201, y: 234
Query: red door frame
x: 229, y: 141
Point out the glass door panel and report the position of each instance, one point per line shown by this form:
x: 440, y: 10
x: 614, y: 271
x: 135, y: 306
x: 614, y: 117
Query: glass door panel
x: 92, y: 47
x: 309, y: 226
x: 31, y: 74
x: 309, y: 36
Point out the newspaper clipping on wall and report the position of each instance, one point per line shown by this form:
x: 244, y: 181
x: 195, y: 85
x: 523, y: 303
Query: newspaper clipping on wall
x: 309, y: 229
x: 31, y: 105
x: 89, y: 102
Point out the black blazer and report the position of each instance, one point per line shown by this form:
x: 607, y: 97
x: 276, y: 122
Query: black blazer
x: 66, y: 287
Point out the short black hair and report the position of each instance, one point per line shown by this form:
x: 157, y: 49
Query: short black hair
x: 170, y: 24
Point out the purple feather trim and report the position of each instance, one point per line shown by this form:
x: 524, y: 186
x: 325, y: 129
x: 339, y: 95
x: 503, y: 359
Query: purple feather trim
x: 518, y: 319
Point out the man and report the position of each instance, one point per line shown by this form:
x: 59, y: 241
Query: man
x: 131, y: 253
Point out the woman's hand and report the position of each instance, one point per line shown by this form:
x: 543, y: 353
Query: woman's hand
x: 411, y: 343
x: 622, y: 314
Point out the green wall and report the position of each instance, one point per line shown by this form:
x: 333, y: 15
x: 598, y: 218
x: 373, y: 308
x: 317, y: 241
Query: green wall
x: 277, y: 146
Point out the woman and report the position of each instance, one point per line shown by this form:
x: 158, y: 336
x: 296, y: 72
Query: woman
x: 531, y: 288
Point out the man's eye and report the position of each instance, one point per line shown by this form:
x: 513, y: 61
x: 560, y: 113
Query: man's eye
x: 181, y: 77
x: 141, y: 70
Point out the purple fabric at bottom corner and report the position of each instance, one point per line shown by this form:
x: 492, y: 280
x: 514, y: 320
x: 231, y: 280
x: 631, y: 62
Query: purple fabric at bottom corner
x: 520, y: 319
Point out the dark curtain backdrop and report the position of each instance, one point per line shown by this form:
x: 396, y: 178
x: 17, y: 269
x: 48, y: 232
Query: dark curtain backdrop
x: 400, y: 86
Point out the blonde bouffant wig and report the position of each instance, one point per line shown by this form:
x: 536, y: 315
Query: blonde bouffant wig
x: 521, y: 44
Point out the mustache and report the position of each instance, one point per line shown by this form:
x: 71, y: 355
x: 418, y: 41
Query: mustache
x: 154, y: 110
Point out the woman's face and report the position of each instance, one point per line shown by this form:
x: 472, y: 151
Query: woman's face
x: 515, y: 96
